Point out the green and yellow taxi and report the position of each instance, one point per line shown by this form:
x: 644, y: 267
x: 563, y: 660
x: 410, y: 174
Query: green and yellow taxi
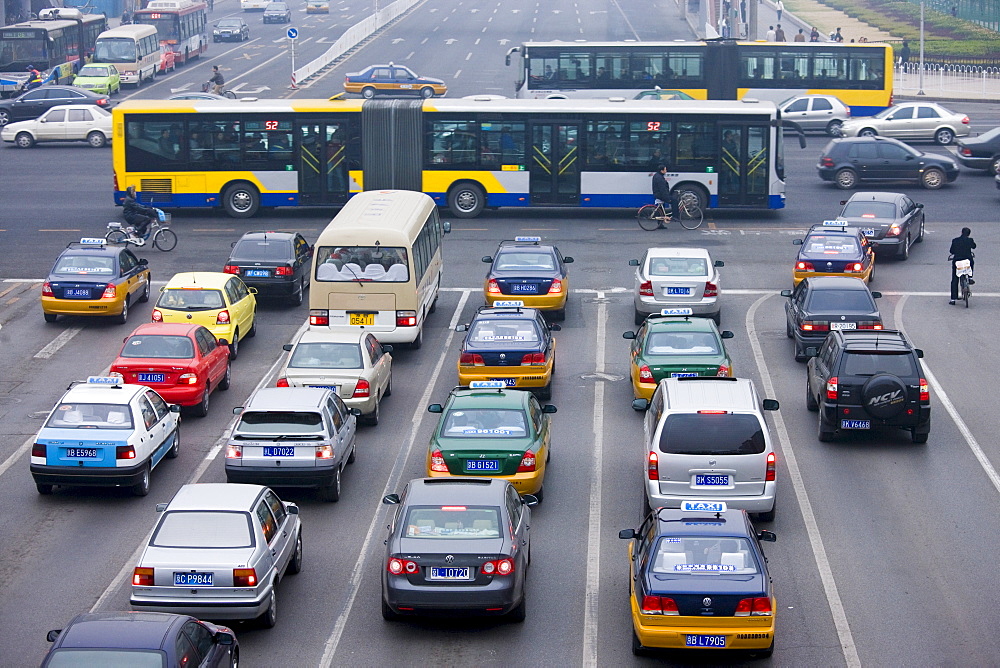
x: 94, y: 277
x: 833, y: 248
x: 509, y: 343
x: 530, y: 271
x: 221, y: 302
x: 99, y: 78
x: 490, y: 430
x: 672, y: 344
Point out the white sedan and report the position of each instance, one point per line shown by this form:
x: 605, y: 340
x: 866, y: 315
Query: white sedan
x: 910, y: 120
x: 66, y: 122
x: 353, y: 364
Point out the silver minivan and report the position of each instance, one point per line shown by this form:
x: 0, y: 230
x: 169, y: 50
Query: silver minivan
x: 293, y: 437
x: 707, y: 438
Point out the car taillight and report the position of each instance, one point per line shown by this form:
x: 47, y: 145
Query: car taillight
x: 724, y: 371
x: 492, y: 287
x: 533, y: 359
x: 826, y: 161
x: 362, y: 389
x: 556, y: 287
x: 831, y: 389
x: 645, y: 375
x: 437, y: 462
x: 869, y: 324
x: 38, y: 450
x: 234, y: 452
x: 283, y: 271
x: 103, y: 102
x: 222, y: 318
x: 854, y: 267
x: 758, y: 607
x: 109, y: 291
x: 965, y: 151
x: 815, y: 326
x: 646, y: 289
x: 527, y: 464
x: 398, y: 566
x: 711, y: 289
x: 804, y: 266
x: 893, y: 231
x: 319, y: 317
x: 282, y: 382
x: 471, y: 359
x: 231, y: 269
x: 142, y: 577
x: 324, y: 452
x: 653, y: 466
x: 771, y: 461
x: 157, y: 316
x: 498, y: 567
x: 659, y: 605
x: 244, y: 577
x: 47, y: 289
x: 965, y: 120
x: 187, y: 379
x: 925, y: 392
x: 847, y: 111
x: 406, y: 318
x: 124, y: 452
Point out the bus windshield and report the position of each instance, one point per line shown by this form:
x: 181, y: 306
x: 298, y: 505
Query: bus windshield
x: 115, y: 50
x: 166, y: 25
x: 20, y: 48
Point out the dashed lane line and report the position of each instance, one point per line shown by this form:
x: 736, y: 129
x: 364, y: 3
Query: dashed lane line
x: 57, y: 343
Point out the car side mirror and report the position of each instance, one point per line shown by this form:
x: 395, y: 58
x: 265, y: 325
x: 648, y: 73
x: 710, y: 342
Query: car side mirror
x: 237, y: 410
x: 529, y: 500
x: 567, y: 260
x: 843, y: 202
x: 287, y: 347
x: 435, y: 408
x: 549, y: 408
x: 786, y: 293
x: 909, y: 157
x: 770, y: 404
x: 390, y: 499
x: 292, y: 509
x: 640, y: 404
x: 633, y: 263
x: 876, y: 294
x: 628, y: 335
x: 726, y: 334
x: 223, y: 638
x: 919, y: 206
x: 627, y: 534
x: 386, y: 348
x: 555, y: 328
x: 767, y: 536
x: 42, y: 120
x: 53, y: 634
x: 223, y: 342
x: 175, y: 408
x: 253, y: 291
x: 446, y: 226
x: 160, y: 507
x: 487, y: 258
x: 232, y: 245
x: 356, y: 412
x: 143, y: 261
x: 919, y: 352
x: 461, y: 328
x: 812, y: 351
x: 796, y: 242
x: 720, y: 263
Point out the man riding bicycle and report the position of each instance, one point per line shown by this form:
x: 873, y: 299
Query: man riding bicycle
x: 661, y: 191
x: 217, y: 79
x: 961, y: 249
x: 137, y: 215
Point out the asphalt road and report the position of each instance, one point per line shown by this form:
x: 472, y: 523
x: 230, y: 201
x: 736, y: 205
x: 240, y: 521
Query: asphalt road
x: 882, y: 545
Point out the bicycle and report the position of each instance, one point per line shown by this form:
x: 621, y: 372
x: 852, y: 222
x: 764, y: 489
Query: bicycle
x: 164, y: 238
x: 654, y: 216
x: 963, y: 269
x: 207, y: 87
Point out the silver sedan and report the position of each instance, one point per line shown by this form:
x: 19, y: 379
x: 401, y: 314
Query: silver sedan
x: 218, y: 552
x: 910, y: 120
x: 677, y: 278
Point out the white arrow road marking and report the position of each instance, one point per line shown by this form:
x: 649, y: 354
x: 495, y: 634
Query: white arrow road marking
x: 182, y: 88
x: 240, y: 90
x: 397, y: 40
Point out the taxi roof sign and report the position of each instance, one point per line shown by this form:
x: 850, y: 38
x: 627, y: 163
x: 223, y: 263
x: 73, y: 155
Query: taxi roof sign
x: 691, y: 506
x: 834, y: 223
x: 105, y: 380
x: 93, y: 240
x: 527, y: 239
x: 487, y: 385
x: 676, y: 311
x: 517, y: 303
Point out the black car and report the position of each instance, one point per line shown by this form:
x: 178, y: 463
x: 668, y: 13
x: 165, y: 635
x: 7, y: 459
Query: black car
x: 272, y: 262
x: 850, y: 160
x: 862, y: 380
x: 457, y: 545
x: 823, y: 304
x: 36, y: 102
x: 528, y: 270
x: 893, y: 221
x: 277, y: 12
x: 231, y: 30
x: 141, y: 639
x: 982, y: 152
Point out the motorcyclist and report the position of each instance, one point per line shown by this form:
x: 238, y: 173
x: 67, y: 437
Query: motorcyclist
x: 34, y: 78
x: 137, y: 215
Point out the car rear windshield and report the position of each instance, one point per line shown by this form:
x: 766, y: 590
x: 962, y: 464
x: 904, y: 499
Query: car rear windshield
x: 190, y: 299
x: 486, y: 333
x: 280, y: 422
x: 160, y: 346
x: 682, y: 343
x: 91, y: 416
x: 75, y: 657
x: 524, y: 261
x: 203, y: 529
x: 869, y: 210
x: 831, y: 247
x: 712, y: 434
x: 452, y: 522
x: 384, y: 264
x: 484, y: 423
x: 262, y: 249
x: 678, y: 266
x: 868, y: 364
x: 841, y: 301
x: 703, y: 555
x: 326, y: 356
x: 85, y: 265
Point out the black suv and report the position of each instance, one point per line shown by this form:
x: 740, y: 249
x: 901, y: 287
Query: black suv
x: 272, y: 262
x: 850, y: 160
x: 861, y: 380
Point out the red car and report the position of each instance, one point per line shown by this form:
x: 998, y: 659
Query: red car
x: 184, y: 363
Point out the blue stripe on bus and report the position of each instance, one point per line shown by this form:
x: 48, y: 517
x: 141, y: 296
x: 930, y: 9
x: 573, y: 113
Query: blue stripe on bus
x: 857, y: 110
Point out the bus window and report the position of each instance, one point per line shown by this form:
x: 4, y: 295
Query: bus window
x: 452, y: 143
x: 505, y: 141
x: 150, y: 144
x: 695, y: 147
x: 574, y: 68
x: 543, y: 69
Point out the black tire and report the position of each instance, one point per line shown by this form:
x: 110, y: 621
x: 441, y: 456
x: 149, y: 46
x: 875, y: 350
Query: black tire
x: 295, y: 565
x: 637, y: 648
x: 518, y: 614
x: 932, y: 179
x: 644, y: 505
x: 241, y: 200
x: 201, y: 408
x: 770, y: 514
x: 165, y: 239
x: 368, y: 92
x: 144, y: 297
x: 545, y: 393
x: 388, y: 388
x: 920, y: 235
x: 372, y: 418
x: 43, y: 489
x: 540, y: 494
x: 811, y: 403
x: 299, y: 295
x: 331, y: 492
x: 252, y: 332
x: 868, y: 132
x: 884, y: 396
x: 24, y: 140
x: 388, y: 614
x: 417, y: 342
x: 788, y: 329
x: 687, y: 192
x: 833, y: 128
x: 426, y: 92
x: 97, y: 139
x: 918, y: 438
x: 230, y: 94
x: 944, y: 136
x: 638, y: 317
x: 559, y: 314
x: 846, y: 179
x: 49, y: 317
x: 122, y: 317
x: 270, y: 616
x: 964, y: 288
x: 648, y: 217
x: 115, y: 236
x: 4, y: 117
x: 226, y: 379
x: 141, y: 488
x: 466, y: 200
x: 234, y: 345
x: 904, y: 249
x: 764, y: 653
x: 175, y: 449
x: 994, y: 166
x: 822, y: 434
x: 353, y: 457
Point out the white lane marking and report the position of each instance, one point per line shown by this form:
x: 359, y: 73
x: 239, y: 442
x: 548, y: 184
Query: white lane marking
x: 837, y: 610
x: 456, y: 74
x: 55, y: 344
x: 591, y: 607
x: 942, y: 396
x: 468, y: 55
x: 17, y: 454
x: 354, y: 584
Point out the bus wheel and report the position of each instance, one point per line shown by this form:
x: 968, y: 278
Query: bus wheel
x: 241, y: 200
x: 693, y: 191
x: 466, y: 200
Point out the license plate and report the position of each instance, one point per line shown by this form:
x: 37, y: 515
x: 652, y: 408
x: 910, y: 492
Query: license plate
x: 677, y: 291
x: 704, y: 641
x: 868, y: 231
x: 711, y: 480
x: 79, y: 293
x: 193, y: 579
x: 843, y: 325
x: 524, y: 288
x: 279, y: 451
x: 362, y: 318
x: 437, y: 573
x: 82, y: 453
x: 509, y: 382
x: 332, y: 388
x: 151, y: 377
x: 482, y: 465
x: 257, y: 273
x: 855, y: 424
x: 686, y: 374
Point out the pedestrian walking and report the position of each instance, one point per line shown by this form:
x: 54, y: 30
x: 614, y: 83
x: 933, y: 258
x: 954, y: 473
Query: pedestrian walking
x: 904, y: 54
x: 837, y: 37
x: 814, y: 35
x: 800, y: 36
x: 779, y: 6
x: 769, y: 35
x: 779, y: 34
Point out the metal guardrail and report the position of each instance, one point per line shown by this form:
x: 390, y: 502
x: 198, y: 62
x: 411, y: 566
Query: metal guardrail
x: 971, y: 80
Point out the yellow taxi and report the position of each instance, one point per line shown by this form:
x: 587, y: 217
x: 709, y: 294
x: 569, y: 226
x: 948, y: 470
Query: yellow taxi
x: 392, y: 79
x: 94, y: 277
x: 833, y: 248
x: 221, y: 302
x: 509, y: 343
x: 527, y: 270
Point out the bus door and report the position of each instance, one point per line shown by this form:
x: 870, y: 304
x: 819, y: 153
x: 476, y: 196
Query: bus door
x: 554, y: 163
x: 322, y: 167
x: 744, y: 165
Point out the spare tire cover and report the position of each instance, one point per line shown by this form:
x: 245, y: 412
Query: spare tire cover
x: 884, y: 396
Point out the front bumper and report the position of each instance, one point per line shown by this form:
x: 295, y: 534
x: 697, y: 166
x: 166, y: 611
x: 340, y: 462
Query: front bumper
x: 119, y: 476
x: 281, y: 477
x: 496, y: 598
x: 205, y: 608
x: 759, y: 503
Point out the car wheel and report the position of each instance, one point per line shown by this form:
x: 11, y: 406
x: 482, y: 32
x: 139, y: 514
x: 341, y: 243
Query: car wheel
x: 49, y: 317
x: 141, y: 488
x: 388, y: 614
x: 559, y: 314
x: 868, y: 132
x: 545, y: 393
x: 920, y: 235
x: 122, y: 318
x: 638, y: 317
x: 24, y: 140
x: 426, y: 92
x: 918, y: 438
x: 295, y: 565
x: 846, y: 179
x: 227, y: 378
x: 388, y: 388
x: 97, y: 139
x: 372, y: 418
x: 769, y: 515
x: 417, y: 342
x: 201, y: 408
x: 175, y: 449
x: 811, y: 403
x: 518, y: 614
x: 252, y: 332
x: 4, y: 117
x: 944, y: 136
x: 823, y: 434
x: 833, y: 128
x: 241, y: 200
x: 466, y: 200
x: 299, y: 295
x: 368, y: 92
x: 788, y: 329
x: 932, y: 179
x: 270, y: 617
x: 43, y: 489
x: 800, y: 355
x: 994, y: 166
x: 637, y: 648
x: 354, y: 454
x: 904, y: 249
x: 764, y: 653
x: 234, y: 345
x: 144, y: 297
x: 331, y: 492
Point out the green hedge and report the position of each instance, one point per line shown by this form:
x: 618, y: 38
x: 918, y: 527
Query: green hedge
x: 902, y: 19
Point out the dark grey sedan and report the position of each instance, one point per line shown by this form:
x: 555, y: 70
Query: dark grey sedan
x: 892, y: 221
x: 231, y: 30
x: 277, y: 12
x: 821, y: 304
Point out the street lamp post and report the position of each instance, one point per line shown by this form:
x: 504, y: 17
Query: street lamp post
x: 921, y: 84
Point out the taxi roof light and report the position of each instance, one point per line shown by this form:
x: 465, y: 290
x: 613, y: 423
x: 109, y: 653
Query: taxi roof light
x: 510, y: 303
x: 529, y: 240
x: 695, y: 506
x: 93, y: 241
x: 112, y: 380
x: 487, y: 385
x: 677, y: 311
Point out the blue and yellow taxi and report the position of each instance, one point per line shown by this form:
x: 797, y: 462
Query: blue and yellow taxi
x: 105, y: 433
x: 392, y: 79
x: 833, y: 248
x: 528, y: 270
x: 699, y: 581
x: 510, y: 343
x: 490, y: 430
x: 94, y: 277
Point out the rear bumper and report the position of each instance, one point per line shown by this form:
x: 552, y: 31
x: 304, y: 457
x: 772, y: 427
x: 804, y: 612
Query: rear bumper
x: 832, y: 414
x: 524, y: 483
x: 272, y: 287
x: 281, y: 477
x: 87, y: 476
x: 187, y: 395
x: 759, y: 503
x: 973, y: 163
x: 496, y: 598
x: 205, y: 608
x: 55, y: 306
x: 531, y: 377
x: 757, y: 633
x: 544, y: 302
x: 707, y: 308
